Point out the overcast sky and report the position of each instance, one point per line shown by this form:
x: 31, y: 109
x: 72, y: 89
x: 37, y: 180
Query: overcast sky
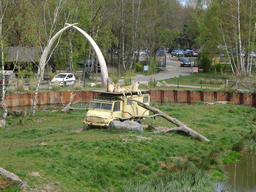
x: 183, y: 1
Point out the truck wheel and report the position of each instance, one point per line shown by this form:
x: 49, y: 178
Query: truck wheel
x: 139, y: 121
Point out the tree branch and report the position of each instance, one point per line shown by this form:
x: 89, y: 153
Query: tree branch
x: 181, y: 127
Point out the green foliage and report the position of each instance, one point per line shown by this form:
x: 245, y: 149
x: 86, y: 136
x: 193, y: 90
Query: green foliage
x: 238, y: 146
x: 138, y: 67
x: 231, y: 157
x: 12, y: 188
x: 127, y: 80
x: 217, y: 174
x: 115, y: 79
x: 128, y: 77
x: 205, y: 63
x: 231, y: 93
x: 151, y: 82
x: 21, y: 87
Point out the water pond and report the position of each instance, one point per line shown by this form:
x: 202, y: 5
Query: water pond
x: 241, y: 176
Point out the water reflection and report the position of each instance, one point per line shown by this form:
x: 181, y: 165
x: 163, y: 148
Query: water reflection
x: 242, y: 175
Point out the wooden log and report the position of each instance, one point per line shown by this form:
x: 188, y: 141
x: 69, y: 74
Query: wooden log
x: 181, y: 127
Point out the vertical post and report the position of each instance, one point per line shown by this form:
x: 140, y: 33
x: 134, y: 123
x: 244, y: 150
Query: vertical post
x: 107, y: 84
x: 226, y: 83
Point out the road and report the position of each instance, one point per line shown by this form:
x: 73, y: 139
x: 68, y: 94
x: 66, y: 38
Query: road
x: 173, y: 69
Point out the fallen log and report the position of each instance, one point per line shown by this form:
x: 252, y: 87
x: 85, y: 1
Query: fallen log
x: 181, y: 127
x: 68, y: 106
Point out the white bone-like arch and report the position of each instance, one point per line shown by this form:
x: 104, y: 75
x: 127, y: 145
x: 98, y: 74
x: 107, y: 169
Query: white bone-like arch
x: 42, y: 63
x: 103, y: 67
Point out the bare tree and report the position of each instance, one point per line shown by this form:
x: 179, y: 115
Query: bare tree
x: 48, y: 35
x: 50, y: 22
x: 3, y: 7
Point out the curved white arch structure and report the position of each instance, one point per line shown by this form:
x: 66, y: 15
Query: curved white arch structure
x: 42, y: 63
x: 103, y: 67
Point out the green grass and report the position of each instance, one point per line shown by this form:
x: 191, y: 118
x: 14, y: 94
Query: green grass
x: 102, y: 160
x: 208, y: 80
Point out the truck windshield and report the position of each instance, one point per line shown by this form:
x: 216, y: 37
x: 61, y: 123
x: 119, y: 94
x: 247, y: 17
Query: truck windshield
x: 99, y: 105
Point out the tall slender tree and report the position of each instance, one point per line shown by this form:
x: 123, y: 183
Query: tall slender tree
x: 3, y: 7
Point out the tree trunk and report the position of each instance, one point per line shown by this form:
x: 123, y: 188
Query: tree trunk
x: 181, y: 126
x: 3, y: 9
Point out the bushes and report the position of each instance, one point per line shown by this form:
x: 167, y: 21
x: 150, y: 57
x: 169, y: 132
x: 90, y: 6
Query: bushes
x: 138, y: 67
x: 205, y: 64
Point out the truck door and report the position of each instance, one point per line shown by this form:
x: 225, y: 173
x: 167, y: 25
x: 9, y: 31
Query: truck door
x: 117, y: 111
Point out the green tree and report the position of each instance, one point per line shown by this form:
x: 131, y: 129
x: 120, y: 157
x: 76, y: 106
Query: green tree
x: 230, y: 24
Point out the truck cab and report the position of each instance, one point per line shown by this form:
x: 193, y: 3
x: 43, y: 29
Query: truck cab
x: 110, y: 106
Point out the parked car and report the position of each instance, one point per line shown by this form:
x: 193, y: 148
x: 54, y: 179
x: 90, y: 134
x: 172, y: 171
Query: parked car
x: 179, y: 53
x: 8, y: 74
x: 161, y: 52
x: 5, y: 80
x: 189, y: 53
x: 142, y: 53
x: 174, y: 52
x: 195, y: 54
x: 185, y: 62
x: 64, y: 79
x: 253, y: 54
x: 88, y: 65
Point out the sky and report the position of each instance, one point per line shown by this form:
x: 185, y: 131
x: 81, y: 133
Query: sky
x: 183, y: 2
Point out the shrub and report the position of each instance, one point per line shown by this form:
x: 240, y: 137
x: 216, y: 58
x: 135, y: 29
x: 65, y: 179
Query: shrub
x: 151, y: 82
x: 205, y: 64
x: 21, y: 87
x: 127, y: 80
x: 32, y: 84
x: 115, y: 79
x: 51, y: 75
x: 55, y: 86
x: 78, y: 84
x: 238, y: 146
x: 128, y: 77
x: 138, y: 67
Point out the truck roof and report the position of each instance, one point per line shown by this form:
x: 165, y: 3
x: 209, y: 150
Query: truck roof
x: 104, y: 92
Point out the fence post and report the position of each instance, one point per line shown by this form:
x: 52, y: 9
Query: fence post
x: 226, y: 83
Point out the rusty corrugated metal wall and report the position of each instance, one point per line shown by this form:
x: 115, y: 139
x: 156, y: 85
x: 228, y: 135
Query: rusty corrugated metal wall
x: 47, y: 98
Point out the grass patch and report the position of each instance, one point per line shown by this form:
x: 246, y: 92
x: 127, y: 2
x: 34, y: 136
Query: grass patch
x: 102, y: 160
x: 208, y: 80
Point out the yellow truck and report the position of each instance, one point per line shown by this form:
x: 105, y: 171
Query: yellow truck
x: 110, y: 106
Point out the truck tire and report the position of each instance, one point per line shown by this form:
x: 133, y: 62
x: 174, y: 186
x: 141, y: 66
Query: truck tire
x: 139, y: 121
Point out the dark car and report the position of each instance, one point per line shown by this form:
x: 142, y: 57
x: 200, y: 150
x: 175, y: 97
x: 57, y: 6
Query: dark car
x: 90, y: 65
x: 5, y: 82
x: 185, y: 62
x: 189, y: 53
